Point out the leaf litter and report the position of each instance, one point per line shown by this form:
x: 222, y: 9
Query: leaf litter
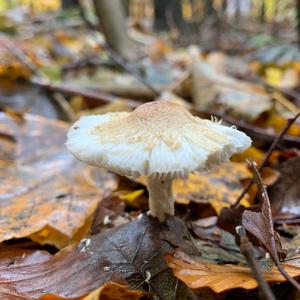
x: 108, y: 249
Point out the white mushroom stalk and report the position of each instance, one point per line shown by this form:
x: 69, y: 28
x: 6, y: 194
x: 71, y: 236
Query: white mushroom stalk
x: 160, y: 140
x: 161, y: 200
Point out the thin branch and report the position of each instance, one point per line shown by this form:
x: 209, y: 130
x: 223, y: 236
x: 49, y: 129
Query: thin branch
x: 256, y: 79
x: 268, y: 154
x: 102, y: 98
x: 247, y: 250
x: 178, y: 82
x: 122, y: 63
x: 263, y: 193
x: 65, y: 106
x: 116, y: 57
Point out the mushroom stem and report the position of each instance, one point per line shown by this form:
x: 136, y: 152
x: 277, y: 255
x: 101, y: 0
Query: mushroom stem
x: 161, y: 201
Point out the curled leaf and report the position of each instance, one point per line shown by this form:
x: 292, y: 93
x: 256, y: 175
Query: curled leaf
x: 219, y: 278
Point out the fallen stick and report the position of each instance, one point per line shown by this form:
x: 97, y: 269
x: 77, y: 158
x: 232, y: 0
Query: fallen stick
x: 268, y: 154
x: 247, y: 250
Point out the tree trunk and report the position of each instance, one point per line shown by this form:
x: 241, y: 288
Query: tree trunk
x: 209, y: 8
x: 224, y: 7
x: 262, y: 12
x: 237, y: 15
x: 160, y: 16
x: 67, y: 4
x: 298, y: 21
x: 168, y: 14
x: 113, y: 24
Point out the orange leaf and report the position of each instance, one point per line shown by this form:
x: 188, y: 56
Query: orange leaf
x: 219, y: 278
x: 45, y: 193
x: 109, y: 291
x: 220, y: 187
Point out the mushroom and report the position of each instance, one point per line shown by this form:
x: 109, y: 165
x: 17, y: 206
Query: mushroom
x: 160, y: 140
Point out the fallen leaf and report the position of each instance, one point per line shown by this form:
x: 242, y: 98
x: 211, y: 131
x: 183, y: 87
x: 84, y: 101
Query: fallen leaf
x: 109, y: 291
x: 45, y: 193
x: 130, y: 254
x: 285, y: 193
x: 220, y: 187
x: 251, y: 153
x: 108, y: 210
x: 277, y: 123
x: 260, y: 224
x: 214, y: 89
x: 219, y: 278
x: 132, y: 198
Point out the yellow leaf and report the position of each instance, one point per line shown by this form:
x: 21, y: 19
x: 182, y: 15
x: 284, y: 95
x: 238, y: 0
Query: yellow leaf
x: 273, y: 75
x: 131, y: 198
x: 251, y: 153
x: 220, y: 187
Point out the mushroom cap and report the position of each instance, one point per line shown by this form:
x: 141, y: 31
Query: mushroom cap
x: 160, y: 139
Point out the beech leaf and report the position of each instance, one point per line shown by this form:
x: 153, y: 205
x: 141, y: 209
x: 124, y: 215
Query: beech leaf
x: 219, y: 278
x: 45, y: 193
x: 130, y: 254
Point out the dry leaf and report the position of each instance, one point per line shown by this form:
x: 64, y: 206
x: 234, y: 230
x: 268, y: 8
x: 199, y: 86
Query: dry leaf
x: 45, y: 193
x: 219, y: 278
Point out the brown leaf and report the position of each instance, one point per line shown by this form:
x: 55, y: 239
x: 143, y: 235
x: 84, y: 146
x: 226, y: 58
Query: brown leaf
x: 285, y: 194
x: 109, y: 291
x: 219, y: 278
x: 45, y: 193
x: 107, y: 211
x: 129, y: 253
x: 260, y: 224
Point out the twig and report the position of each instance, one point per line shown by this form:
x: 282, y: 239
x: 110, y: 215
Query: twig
x: 256, y: 79
x: 64, y: 106
x: 121, y: 62
x: 115, y: 56
x: 176, y: 83
x: 268, y: 154
x: 105, y: 98
x: 285, y: 102
x: 41, y: 78
x: 247, y: 250
x: 263, y: 193
x: 102, y: 98
x: 21, y: 56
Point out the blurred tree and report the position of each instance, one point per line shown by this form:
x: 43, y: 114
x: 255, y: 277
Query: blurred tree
x: 167, y: 14
x: 209, y: 8
x: 224, y: 9
x: 262, y: 12
x: 298, y: 20
x: 113, y: 24
x: 66, y: 4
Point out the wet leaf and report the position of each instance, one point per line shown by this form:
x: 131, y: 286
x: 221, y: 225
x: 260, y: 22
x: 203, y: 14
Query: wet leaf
x: 132, y: 253
x: 219, y: 278
x: 108, y: 212
x: 285, y: 194
x: 260, y: 224
x: 251, y: 153
x: 45, y: 193
x: 109, y: 291
x: 220, y: 188
x: 214, y: 89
